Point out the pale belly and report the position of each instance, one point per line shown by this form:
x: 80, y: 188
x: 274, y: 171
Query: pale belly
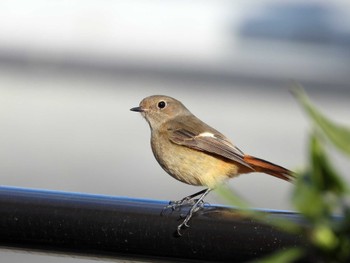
x: 191, y: 166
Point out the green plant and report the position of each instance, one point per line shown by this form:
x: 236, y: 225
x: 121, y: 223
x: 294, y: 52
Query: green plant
x: 320, y: 195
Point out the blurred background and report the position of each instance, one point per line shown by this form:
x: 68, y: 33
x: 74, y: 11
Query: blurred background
x: 70, y: 70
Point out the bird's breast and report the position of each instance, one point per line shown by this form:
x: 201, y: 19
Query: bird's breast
x: 191, y: 166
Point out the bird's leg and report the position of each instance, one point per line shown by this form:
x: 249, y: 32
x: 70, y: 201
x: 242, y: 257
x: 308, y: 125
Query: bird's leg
x: 188, y: 200
x: 195, y: 207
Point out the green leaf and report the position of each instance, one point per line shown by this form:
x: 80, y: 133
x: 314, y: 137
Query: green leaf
x: 319, y: 188
x: 323, y: 237
x: 288, y: 255
x: 308, y: 200
x: 230, y: 196
x: 339, y: 135
x: 263, y: 217
x: 324, y: 176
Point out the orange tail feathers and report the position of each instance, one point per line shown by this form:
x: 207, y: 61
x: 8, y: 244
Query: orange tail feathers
x: 263, y: 166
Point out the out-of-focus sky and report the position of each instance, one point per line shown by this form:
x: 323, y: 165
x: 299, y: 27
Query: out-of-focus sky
x: 71, y: 70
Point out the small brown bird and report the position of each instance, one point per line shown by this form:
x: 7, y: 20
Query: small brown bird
x: 195, y: 153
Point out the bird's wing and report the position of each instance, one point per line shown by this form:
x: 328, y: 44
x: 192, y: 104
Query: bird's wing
x: 211, y: 142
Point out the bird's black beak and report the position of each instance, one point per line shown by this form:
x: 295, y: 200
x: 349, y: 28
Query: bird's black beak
x: 137, y: 109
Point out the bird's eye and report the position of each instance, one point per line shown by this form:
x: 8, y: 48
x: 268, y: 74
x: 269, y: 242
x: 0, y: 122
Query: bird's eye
x: 161, y: 104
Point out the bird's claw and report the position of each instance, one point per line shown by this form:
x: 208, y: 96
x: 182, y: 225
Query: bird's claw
x: 177, y: 205
x: 182, y: 226
x: 195, y: 206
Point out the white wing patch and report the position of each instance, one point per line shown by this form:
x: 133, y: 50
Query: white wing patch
x: 206, y: 134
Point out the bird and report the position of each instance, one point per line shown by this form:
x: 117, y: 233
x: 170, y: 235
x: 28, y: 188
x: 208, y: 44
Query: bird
x: 194, y: 153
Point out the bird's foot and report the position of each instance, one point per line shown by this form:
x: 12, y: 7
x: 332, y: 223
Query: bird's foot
x: 195, y: 206
x: 177, y: 205
x: 198, y: 205
x: 182, y: 226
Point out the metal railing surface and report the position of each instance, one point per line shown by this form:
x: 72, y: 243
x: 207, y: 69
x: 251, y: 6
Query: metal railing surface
x: 126, y: 228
